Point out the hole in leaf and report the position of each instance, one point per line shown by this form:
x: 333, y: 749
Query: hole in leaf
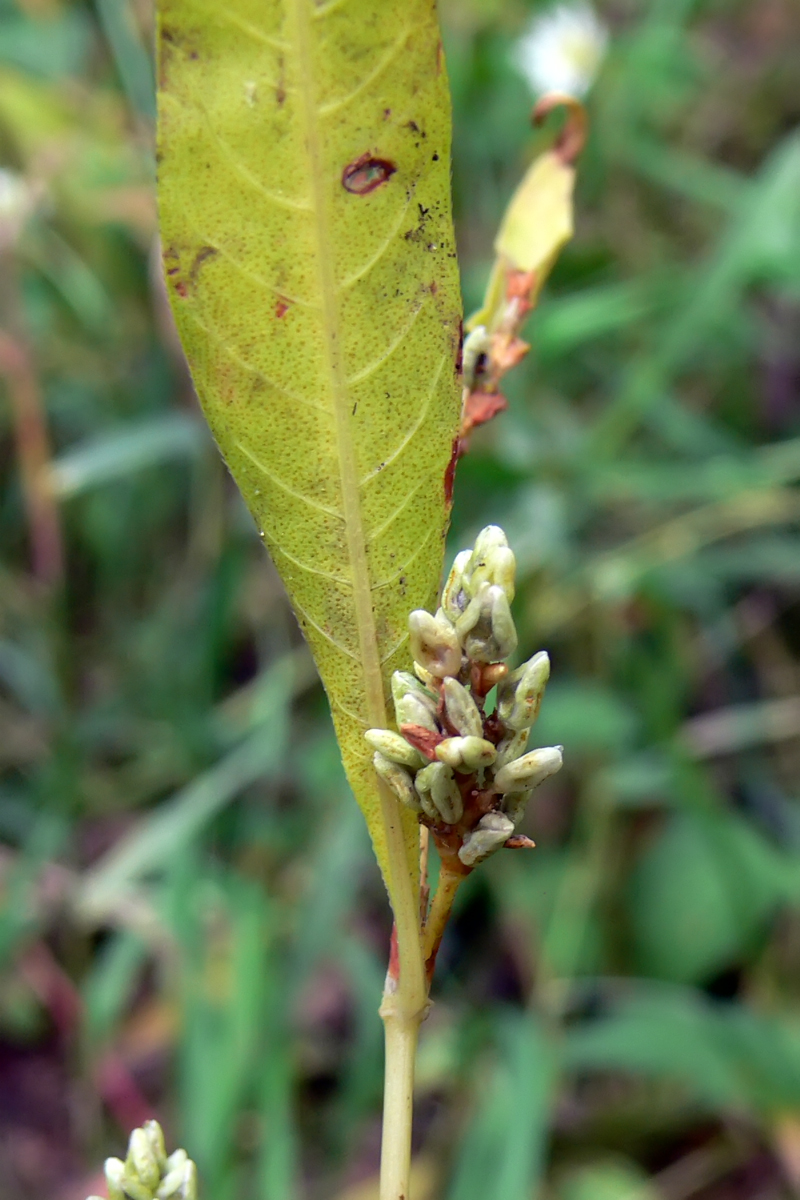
x: 366, y: 173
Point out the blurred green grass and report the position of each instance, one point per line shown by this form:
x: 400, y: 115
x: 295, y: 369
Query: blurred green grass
x: 190, y: 921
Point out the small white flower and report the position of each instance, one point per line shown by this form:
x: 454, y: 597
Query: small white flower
x: 562, y: 50
x: 16, y: 202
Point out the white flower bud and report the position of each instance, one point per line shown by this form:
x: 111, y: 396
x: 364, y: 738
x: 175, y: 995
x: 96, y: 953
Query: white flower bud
x: 504, y: 570
x: 437, y: 782
x: 115, y: 1173
x: 511, y: 747
x: 520, y: 695
x: 398, y: 779
x: 133, y: 1188
x: 477, y: 343
x: 411, y: 710
x: 462, y: 711
x: 529, y: 771
x: 466, y: 754
x: 486, y: 628
x: 404, y: 682
x: 177, y: 1161
x: 394, y: 747
x: 504, y: 631
x: 497, y: 566
x: 189, y: 1188
x: 430, y: 682
x: 434, y: 643
x: 155, y: 1136
x: 489, y: 538
x: 142, y: 1159
x: 455, y: 594
x: 173, y: 1175
x: 491, y: 832
x: 515, y: 803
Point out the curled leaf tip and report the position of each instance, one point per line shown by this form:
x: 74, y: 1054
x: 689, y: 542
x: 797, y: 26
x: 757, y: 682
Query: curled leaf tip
x: 572, y: 138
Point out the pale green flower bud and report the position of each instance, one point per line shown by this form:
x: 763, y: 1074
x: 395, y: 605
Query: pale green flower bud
x: 115, y: 1174
x: 434, y: 643
x: 511, y: 747
x: 520, y: 695
x: 496, y: 565
x: 462, y: 710
x: 437, y: 782
x: 504, y: 570
x: 155, y: 1136
x: 515, y: 803
x: 394, y: 747
x: 486, y: 628
x: 455, y: 595
x: 504, y: 631
x: 411, y: 710
x: 173, y: 1176
x: 477, y: 343
x: 491, y: 832
x: 189, y: 1189
x: 398, y: 779
x: 529, y: 771
x: 134, y: 1189
x: 142, y: 1159
x: 404, y: 682
x: 430, y: 682
x: 177, y: 1161
x: 490, y: 538
x: 466, y: 754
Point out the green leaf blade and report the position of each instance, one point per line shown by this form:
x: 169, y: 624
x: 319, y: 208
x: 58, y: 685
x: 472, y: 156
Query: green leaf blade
x: 310, y: 260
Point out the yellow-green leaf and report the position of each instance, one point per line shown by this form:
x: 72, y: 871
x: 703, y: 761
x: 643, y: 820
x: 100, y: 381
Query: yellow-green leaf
x: 304, y: 155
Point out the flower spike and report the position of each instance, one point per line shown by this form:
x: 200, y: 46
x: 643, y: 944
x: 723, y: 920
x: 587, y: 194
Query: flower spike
x: 466, y: 773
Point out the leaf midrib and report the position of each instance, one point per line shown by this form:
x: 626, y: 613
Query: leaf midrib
x: 375, y: 709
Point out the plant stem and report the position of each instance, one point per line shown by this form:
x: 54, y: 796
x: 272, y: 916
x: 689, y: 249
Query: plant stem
x: 449, y: 881
x: 402, y: 1016
x: 400, y: 1038
x: 405, y: 1003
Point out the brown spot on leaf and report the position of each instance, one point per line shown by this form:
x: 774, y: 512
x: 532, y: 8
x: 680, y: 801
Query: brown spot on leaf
x: 366, y: 173
x: 281, y: 307
x: 280, y: 90
x: 181, y: 289
x: 205, y: 252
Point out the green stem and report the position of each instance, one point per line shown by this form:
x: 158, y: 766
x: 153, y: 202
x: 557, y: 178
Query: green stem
x: 401, y: 1034
x: 402, y: 1015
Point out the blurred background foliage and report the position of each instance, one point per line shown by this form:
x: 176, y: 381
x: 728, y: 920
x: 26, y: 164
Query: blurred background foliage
x: 190, y: 921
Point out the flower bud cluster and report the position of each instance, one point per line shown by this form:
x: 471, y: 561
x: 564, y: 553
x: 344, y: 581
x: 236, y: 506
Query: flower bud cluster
x: 467, y: 774
x: 147, y: 1173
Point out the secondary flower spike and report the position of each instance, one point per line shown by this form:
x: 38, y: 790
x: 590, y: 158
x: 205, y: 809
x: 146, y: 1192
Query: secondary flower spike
x: 147, y: 1173
x: 459, y: 763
